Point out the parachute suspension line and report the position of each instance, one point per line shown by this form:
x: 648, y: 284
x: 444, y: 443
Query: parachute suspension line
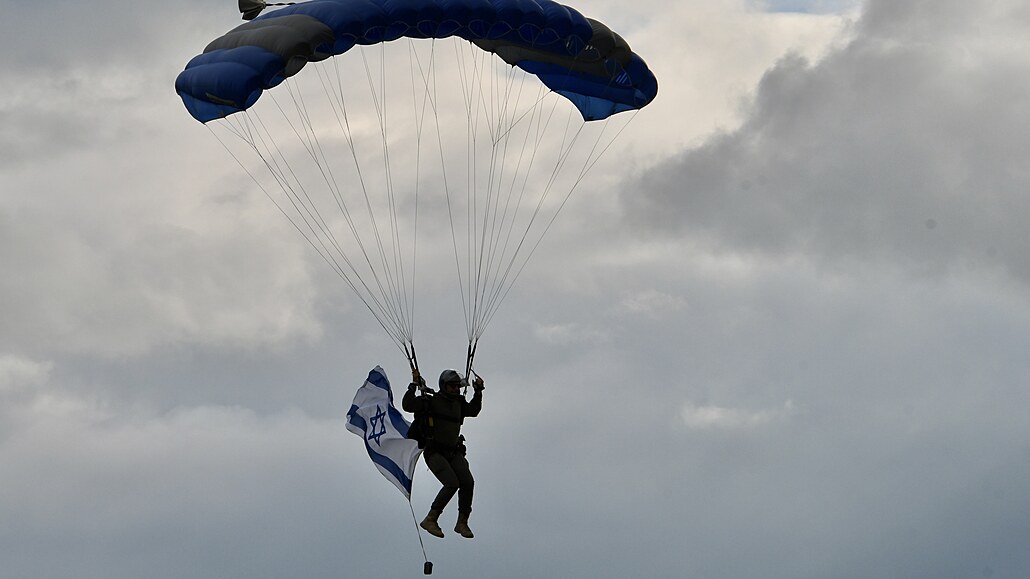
x: 419, y: 124
x: 469, y: 81
x: 394, y: 222
x: 380, y: 103
x: 501, y: 132
x: 482, y: 194
x: 493, y: 191
x: 484, y: 106
x: 335, y: 102
x: 499, y: 281
x: 432, y: 84
x: 308, y: 212
x: 385, y: 313
x: 430, y: 95
x: 504, y: 284
x: 338, y: 102
x: 588, y: 165
x: 590, y: 160
x: 313, y: 147
x: 394, y: 294
x: 290, y: 185
x: 242, y: 132
x: 311, y: 144
x: 466, y: 92
x: 502, y: 224
x: 496, y: 230
x: 495, y: 178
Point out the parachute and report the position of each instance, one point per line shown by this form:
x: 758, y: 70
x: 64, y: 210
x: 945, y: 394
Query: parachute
x: 458, y: 110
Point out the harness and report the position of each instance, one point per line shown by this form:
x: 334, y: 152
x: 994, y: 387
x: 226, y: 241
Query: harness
x: 423, y: 428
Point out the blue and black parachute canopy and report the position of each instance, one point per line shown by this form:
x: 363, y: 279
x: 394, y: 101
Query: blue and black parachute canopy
x: 579, y: 58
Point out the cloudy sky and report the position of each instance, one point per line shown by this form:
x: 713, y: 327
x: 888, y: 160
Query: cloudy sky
x: 785, y: 338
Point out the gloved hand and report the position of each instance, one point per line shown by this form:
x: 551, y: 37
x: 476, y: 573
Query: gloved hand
x: 417, y: 381
x: 478, y: 385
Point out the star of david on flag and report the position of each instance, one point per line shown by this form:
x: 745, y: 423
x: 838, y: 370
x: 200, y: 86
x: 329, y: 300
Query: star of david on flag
x: 373, y: 417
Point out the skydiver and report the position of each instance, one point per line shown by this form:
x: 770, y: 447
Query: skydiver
x: 445, y: 447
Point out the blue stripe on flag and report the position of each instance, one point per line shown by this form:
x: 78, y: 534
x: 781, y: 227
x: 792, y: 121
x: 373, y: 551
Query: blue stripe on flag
x: 396, y: 471
x: 378, y: 380
x: 357, y: 420
x: 399, y: 424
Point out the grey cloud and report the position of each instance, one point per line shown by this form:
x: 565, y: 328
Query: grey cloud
x: 34, y: 134
x: 904, y: 145
x: 816, y: 6
x: 173, y: 370
x: 108, y: 217
x: 54, y: 37
x: 131, y: 287
x: 94, y: 495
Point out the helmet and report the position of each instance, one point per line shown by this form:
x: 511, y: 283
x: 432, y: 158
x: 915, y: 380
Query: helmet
x: 452, y: 377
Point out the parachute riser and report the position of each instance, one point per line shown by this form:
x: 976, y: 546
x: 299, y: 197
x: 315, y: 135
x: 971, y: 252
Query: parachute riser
x: 409, y: 351
x: 470, y: 356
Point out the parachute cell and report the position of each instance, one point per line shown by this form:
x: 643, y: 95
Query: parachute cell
x: 579, y: 58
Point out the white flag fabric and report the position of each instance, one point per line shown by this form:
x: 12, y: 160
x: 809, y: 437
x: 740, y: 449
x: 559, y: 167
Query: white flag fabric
x: 373, y: 417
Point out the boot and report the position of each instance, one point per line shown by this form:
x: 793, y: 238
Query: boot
x: 462, y: 528
x: 430, y: 525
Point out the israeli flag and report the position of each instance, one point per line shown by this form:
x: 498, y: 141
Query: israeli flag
x: 373, y: 417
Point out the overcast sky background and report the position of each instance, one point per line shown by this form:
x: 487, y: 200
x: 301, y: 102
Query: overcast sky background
x: 787, y: 339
